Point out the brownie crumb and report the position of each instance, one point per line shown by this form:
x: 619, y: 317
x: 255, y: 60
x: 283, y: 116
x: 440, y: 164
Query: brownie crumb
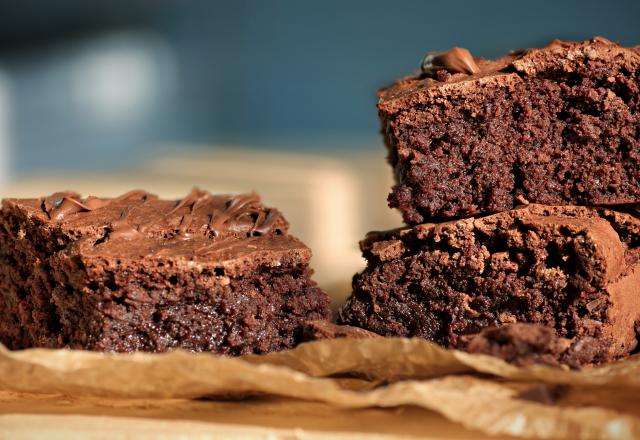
x: 525, y: 344
x: 319, y: 330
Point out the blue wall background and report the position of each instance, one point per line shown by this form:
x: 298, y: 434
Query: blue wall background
x: 280, y: 73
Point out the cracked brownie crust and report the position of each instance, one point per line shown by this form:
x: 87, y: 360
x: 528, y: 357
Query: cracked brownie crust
x: 573, y: 269
x: 205, y: 273
x: 556, y: 126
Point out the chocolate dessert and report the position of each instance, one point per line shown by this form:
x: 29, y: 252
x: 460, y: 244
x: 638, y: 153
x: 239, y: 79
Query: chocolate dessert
x: 527, y: 344
x: 213, y: 273
x: 575, y: 270
x: 556, y: 126
x: 319, y: 330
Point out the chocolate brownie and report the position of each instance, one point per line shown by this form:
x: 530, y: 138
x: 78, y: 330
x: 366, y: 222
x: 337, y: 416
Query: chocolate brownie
x: 571, y: 268
x: 319, y: 330
x: 556, y: 126
x: 212, y: 273
x: 525, y: 344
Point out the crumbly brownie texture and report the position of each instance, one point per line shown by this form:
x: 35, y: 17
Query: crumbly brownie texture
x: 527, y: 344
x: 556, y: 126
x: 206, y: 273
x: 319, y: 330
x: 573, y: 269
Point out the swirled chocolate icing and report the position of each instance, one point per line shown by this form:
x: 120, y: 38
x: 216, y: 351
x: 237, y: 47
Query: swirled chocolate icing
x: 199, y: 227
x: 139, y: 212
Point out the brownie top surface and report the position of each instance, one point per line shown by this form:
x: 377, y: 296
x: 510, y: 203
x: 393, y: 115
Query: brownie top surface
x: 201, y: 227
x: 456, y: 72
x: 575, y: 217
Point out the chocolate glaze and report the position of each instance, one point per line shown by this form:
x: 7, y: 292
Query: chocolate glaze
x: 49, y: 203
x: 222, y: 215
x: 92, y: 203
x: 455, y: 60
x: 136, y: 194
x: 199, y: 227
x: 67, y: 206
x: 62, y: 204
x: 121, y: 229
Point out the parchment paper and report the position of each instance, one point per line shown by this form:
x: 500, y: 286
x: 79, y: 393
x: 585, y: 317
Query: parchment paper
x: 399, y: 371
x: 392, y: 359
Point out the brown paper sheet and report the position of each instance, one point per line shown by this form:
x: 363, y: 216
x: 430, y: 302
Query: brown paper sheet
x: 402, y: 372
x: 392, y: 359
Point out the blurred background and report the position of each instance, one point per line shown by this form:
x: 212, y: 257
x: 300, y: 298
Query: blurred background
x: 278, y: 96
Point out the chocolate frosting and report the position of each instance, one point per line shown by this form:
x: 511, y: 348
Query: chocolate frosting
x: 467, y: 72
x: 199, y: 227
x: 217, y: 216
x: 455, y: 60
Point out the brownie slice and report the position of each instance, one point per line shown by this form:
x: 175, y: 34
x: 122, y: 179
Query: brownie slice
x: 212, y: 273
x: 556, y: 126
x: 573, y: 269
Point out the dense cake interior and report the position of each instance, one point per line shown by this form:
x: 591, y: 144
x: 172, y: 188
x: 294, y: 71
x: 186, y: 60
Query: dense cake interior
x: 552, y: 126
x: 208, y: 273
x: 157, y: 306
x: 28, y: 317
x: 572, y: 269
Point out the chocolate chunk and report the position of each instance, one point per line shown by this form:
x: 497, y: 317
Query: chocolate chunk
x: 456, y: 60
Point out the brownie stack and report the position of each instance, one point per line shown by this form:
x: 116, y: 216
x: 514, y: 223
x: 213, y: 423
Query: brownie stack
x: 517, y: 179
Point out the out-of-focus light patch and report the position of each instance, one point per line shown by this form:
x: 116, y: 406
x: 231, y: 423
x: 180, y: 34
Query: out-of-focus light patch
x: 116, y: 79
x: 5, y: 120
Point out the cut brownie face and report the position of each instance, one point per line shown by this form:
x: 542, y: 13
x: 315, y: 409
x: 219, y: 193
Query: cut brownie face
x: 205, y: 273
x: 573, y: 269
x: 556, y: 126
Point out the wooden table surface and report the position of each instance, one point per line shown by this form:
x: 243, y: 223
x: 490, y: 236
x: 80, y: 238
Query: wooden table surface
x: 25, y: 416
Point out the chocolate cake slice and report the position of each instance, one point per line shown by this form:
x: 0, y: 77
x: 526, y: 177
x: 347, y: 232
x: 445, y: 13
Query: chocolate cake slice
x: 573, y: 269
x: 556, y: 126
x: 212, y: 273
